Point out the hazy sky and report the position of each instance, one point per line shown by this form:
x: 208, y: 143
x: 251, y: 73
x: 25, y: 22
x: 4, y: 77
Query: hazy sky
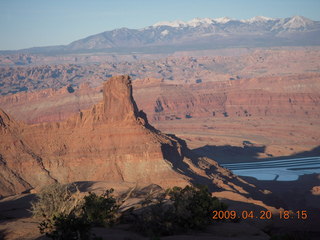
x: 29, y: 23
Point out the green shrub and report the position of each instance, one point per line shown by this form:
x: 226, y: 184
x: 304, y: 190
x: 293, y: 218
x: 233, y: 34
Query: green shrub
x: 66, y: 227
x: 156, y: 220
x: 187, y: 208
x: 193, y: 206
x: 69, y: 214
x: 101, y: 210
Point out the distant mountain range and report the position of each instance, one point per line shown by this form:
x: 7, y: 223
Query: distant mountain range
x: 197, y: 34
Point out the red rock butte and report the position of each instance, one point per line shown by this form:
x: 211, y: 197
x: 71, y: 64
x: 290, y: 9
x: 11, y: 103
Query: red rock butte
x: 111, y: 142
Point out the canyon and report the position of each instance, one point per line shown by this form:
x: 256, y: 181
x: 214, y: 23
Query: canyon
x: 220, y: 112
x: 175, y: 103
x: 112, y: 141
x: 220, y: 98
x: 82, y: 122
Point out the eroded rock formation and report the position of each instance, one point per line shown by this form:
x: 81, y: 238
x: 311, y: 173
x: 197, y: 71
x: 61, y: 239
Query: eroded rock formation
x: 294, y: 96
x: 18, y: 160
x: 112, y: 142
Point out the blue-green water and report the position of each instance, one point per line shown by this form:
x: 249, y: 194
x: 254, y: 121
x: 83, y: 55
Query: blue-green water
x: 278, y: 170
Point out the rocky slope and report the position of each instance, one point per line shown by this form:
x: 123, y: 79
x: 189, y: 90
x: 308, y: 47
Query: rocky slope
x: 112, y: 141
x: 18, y: 159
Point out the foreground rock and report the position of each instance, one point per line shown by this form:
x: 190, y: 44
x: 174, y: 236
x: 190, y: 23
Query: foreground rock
x: 112, y: 141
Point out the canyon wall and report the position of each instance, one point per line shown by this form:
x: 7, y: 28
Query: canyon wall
x: 286, y: 96
x: 112, y: 141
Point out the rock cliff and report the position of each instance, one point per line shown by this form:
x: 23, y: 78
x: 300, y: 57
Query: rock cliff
x: 20, y: 167
x: 294, y: 96
x: 112, y: 141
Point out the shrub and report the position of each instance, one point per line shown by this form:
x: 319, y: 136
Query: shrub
x: 193, y: 206
x: 57, y: 199
x: 68, y: 214
x: 101, y: 210
x: 187, y: 208
x: 156, y: 220
x: 65, y: 227
x: 61, y: 212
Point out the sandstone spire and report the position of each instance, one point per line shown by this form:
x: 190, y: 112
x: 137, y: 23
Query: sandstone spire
x: 118, y: 101
x: 112, y: 142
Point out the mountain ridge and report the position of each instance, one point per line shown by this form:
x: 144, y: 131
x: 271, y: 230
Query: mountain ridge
x: 197, y: 33
x: 224, y: 20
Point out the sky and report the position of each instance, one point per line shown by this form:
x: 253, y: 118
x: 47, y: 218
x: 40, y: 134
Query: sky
x: 30, y: 23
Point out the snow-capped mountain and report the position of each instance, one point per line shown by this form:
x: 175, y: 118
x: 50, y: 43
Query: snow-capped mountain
x: 194, y: 22
x: 296, y: 22
x: 222, y: 20
x: 258, y: 19
x: 201, y: 33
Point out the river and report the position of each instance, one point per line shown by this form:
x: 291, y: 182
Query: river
x: 277, y: 170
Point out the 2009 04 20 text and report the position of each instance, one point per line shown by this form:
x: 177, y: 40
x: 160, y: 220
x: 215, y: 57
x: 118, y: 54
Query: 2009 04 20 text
x: 263, y: 214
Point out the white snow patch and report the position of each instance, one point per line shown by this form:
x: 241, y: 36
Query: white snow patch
x: 260, y: 19
x: 194, y: 22
x: 199, y: 21
x: 176, y: 23
x: 294, y: 22
x: 297, y: 22
x: 165, y: 32
x: 222, y: 20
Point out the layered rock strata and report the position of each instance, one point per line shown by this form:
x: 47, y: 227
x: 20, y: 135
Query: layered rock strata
x: 112, y: 141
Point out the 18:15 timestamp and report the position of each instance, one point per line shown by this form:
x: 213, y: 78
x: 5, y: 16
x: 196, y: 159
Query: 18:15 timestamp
x: 284, y: 214
x: 290, y: 215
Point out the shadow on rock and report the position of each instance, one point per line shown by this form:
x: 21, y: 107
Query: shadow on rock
x: 247, y: 153
x: 17, y: 207
x: 3, y: 234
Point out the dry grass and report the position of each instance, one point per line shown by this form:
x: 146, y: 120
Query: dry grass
x: 57, y: 199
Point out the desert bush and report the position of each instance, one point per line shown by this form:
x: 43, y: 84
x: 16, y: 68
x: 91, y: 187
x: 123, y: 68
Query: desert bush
x: 193, y: 206
x: 101, y: 210
x: 155, y: 220
x: 57, y: 199
x: 68, y: 214
x: 60, y: 208
x: 65, y: 227
x: 187, y: 208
